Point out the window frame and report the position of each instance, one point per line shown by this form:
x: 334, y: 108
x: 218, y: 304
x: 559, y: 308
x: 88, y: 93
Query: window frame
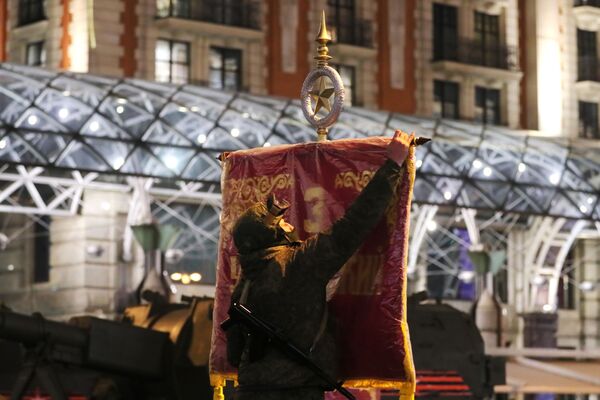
x: 171, y: 62
x: 342, y: 16
x: 40, y: 44
x: 224, y: 53
x: 30, y: 12
x: 352, y: 70
x: 445, y: 32
x: 444, y: 87
x: 584, y: 118
x: 486, y: 95
x: 587, y: 55
x: 488, y: 39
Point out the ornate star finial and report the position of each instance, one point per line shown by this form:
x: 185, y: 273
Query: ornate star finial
x: 321, y: 95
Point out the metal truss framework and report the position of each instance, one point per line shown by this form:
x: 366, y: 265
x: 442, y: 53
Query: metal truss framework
x: 62, y: 133
x: 88, y: 123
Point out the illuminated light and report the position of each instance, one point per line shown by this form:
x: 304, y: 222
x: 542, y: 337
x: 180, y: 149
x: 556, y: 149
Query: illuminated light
x: 522, y: 167
x: 554, y: 178
x: 550, y: 61
x: 587, y: 286
x: 201, y: 138
x: 245, y: 115
x: 194, y: 109
x: 2, y: 144
x: 235, y: 132
x: 32, y: 120
x: 10, y: 267
x: 487, y: 171
x: 432, y: 226
x: 182, y: 109
x: 66, y: 93
x: 547, y: 308
x: 477, y: 163
x: 185, y: 279
x: 176, y: 276
x: 120, y: 109
x: 267, y: 144
x: 171, y: 162
x: 419, y: 163
x: 105, y: 205
x: 118, y: 163
x: 466, y: 276
x: 583, y: 208
x: 590, y: 200
x: 94, y: 126
x: 63, y: 113
x: 538, y: 280
x: 121, y: 101
x: 447, y: 195
x: 196, y: 277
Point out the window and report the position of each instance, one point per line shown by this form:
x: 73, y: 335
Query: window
x: 487, y: 40
x: 567, y: 285
x: 225, y: 68
x: 347, y: 73
x: 35, y: 54
x: 41, y: 247
x: 172, y: 61
x: 445, y: 32
x: 173, y: 8
x: 31, y: 11
x: 487, y: 105
x: 342, y: 18
x: 445, y: 103
x: 587, y: 64
x: 588, y: 120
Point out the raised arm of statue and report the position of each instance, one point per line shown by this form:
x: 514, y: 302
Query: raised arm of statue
x: 327, y: 252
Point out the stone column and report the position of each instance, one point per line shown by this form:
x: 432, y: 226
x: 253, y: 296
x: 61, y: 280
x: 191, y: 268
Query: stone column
x: 86, y: 270
x: 589, y: 264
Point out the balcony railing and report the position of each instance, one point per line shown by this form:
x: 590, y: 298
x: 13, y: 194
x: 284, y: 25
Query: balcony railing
x: 592, y: 3
x: 588, y: 69
x: 240, y: 13
x: 355, y: 32
x: 469, y: 51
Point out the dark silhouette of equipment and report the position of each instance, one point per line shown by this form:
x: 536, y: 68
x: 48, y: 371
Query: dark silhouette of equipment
x: 164, y: 357
x: 449, y: 353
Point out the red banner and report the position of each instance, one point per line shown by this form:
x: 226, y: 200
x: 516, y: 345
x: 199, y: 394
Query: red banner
x: 320, y: 180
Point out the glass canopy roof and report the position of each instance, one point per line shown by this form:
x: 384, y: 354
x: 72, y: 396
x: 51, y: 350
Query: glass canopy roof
x: 133, y: 127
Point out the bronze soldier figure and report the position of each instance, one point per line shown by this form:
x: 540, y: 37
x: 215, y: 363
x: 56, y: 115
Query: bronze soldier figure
x: 283, y: 281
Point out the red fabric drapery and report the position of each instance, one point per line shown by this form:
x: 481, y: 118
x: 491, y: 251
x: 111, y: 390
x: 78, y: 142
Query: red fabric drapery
x: 320, y: 180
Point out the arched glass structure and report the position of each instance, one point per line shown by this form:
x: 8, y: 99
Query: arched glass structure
x: 82, y: 122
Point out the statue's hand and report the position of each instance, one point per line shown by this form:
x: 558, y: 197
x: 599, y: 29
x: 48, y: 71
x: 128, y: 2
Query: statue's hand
x: 398, y: 148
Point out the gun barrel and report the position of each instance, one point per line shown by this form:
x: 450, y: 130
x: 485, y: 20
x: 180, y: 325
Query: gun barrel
x: 30, y: 330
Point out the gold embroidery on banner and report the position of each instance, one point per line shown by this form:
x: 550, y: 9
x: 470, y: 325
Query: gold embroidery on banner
x: 239, y: 194
x: 257, y: 188
x: 351, y: 179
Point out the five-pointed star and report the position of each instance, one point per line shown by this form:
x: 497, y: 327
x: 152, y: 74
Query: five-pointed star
x: 321, y: 95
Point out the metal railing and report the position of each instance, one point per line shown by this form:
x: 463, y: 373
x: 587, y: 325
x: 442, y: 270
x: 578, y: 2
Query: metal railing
x: 356, y: 32
x: 240, y: 13
x: 592, y: 3
x: 470, y: 51
x: 588, y: 69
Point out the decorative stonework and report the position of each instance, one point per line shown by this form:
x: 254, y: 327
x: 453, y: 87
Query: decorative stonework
x: 494, y: 7
x: 587, y: 17
x: 288, y: 21
x: 397, y: 39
